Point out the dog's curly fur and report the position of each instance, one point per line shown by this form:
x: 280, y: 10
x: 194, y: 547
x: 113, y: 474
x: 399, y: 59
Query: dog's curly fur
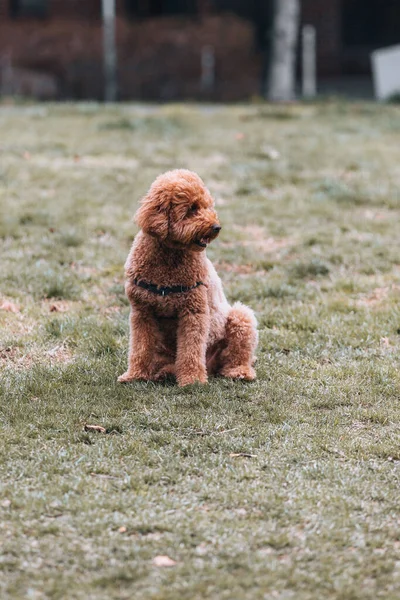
x: 193, y: 333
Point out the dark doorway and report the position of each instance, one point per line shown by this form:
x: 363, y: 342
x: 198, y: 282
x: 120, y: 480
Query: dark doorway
x: 371, y: 23
x: 158, y: 8
x: 28, y: 8
x: 367, y: 25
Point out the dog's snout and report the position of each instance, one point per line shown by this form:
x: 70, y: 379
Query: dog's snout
x: 216, y: 228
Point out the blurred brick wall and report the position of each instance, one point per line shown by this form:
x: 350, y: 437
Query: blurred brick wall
x: 157, y: 58
x: 87, y: 9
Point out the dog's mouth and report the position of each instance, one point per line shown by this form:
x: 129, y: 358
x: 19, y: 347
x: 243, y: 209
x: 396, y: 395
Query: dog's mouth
x: 203, y: 241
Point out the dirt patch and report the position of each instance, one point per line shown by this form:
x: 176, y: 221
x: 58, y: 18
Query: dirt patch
x: 21, y: 326
x: 19, y: 360
x: 238, y: 269
x: 256, y: 232
x: 85, y: 162
x: 9, y: 354
x: 373, y: 215
x: 59, y: 354
x: 61, y: 306
x: 110, y: 310
x: 58, y: 306
x: 14, y: 358
x: 260, y: 240
x: 377, y: 296
x: 84, y: 270
x: 9, y: 306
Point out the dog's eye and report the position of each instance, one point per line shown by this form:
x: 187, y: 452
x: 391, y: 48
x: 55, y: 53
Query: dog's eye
x: 193, y: 209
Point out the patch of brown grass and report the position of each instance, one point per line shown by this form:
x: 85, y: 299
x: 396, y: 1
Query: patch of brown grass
x: 233, y: 268
x: 85, y: 162
x: 259, y: 239
x: 378, y: 295
x: 59, y: 354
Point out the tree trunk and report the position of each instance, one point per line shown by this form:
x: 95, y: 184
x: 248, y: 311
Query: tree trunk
x: 282, y: 67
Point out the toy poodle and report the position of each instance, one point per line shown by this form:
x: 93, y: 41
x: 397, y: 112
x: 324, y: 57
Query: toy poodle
x: 181, y: 324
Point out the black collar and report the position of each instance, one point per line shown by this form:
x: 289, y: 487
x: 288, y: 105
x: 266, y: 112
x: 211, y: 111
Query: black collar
x: 165, y: 291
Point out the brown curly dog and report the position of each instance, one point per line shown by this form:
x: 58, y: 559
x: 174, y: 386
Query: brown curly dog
x: 180, y: 322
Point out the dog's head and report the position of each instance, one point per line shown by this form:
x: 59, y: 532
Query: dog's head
x: 179, y: 210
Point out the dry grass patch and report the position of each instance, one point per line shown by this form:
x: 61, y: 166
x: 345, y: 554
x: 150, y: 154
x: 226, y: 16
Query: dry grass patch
x: 238, y: 269
x: 380, y: 295
x: 258, y: 238
x: 85, y: 162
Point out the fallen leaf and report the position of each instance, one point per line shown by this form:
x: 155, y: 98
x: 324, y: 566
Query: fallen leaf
x: 9, y: 306
x: 58, y: 307
x: 204, y: 507
x: 97, y: 428
x: 7, y: 353
x: 6, y: 503
x: 163, y: 561
x: 122, y: 530
x: 242, y: 455
x: 153, y: 535
x: 104, y: 476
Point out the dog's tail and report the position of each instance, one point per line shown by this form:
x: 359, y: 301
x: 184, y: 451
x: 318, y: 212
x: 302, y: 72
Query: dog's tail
x: 241, y: 326
x: 241, y: 341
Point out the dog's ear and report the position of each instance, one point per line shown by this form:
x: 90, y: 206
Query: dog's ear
x: 152, y: 215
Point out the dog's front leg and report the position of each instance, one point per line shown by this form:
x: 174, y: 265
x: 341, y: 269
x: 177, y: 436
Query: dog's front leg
x: 143, y: 340
x: 191, y: 347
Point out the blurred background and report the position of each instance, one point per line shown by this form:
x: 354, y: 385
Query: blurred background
x: 186, y: 49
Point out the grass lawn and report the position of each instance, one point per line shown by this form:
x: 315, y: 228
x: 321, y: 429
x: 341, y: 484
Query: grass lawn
x: 286, y: 488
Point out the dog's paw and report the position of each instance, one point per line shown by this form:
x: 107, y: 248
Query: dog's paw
x: 125, y: 378
x: 130, y: 376
x: 243, y: 372
x: 191, y: 381
x: 190, y: 378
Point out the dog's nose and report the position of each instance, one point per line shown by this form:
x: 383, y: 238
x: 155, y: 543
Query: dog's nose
x: 216, y: 228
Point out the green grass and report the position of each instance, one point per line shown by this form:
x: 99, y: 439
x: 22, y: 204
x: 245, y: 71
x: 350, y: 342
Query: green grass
x: 310, y: 240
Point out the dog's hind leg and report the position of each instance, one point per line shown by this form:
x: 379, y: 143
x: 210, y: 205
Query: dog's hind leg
x: 241, y: 337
